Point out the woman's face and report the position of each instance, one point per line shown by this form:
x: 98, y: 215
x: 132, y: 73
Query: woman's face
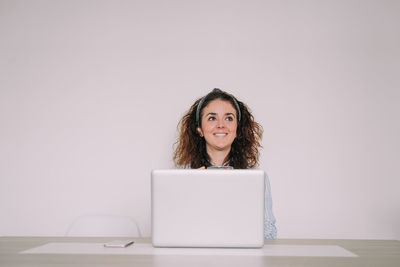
x: 218, y: 125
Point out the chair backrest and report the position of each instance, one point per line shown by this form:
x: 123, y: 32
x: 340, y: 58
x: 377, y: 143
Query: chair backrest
x: 104, y: 225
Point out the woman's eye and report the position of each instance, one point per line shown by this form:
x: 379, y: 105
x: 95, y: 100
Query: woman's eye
x: 229, y: 118
x: 211, y: 118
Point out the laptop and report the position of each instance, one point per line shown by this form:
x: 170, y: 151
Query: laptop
x: 207, y: 208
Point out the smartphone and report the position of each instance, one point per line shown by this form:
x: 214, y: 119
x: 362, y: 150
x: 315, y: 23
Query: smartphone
x: 118, y: 243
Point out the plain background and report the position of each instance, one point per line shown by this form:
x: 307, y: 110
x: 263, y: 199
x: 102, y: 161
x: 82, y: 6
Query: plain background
x: 91, y: 93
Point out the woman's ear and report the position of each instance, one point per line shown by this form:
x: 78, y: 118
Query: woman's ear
x: 200, y: 131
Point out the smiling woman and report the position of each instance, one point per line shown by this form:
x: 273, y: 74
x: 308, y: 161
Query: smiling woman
x: 218, y: 130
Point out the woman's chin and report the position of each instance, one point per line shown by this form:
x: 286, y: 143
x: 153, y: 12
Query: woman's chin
x: 222, y: 147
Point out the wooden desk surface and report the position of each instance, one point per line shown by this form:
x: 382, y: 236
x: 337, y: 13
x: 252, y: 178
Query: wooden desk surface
x: 376, y: 253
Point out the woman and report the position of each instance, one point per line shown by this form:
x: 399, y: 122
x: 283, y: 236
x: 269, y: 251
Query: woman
x: 219, y: 131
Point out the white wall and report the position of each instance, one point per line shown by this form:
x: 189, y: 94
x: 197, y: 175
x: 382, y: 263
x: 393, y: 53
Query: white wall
x: 91, y: 93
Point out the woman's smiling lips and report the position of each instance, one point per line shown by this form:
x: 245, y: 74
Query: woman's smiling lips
x: 220, y: 134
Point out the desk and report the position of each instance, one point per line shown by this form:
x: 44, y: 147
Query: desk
x: 376, y: 253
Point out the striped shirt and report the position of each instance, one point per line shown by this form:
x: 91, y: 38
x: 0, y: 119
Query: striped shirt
x: 270, y: 230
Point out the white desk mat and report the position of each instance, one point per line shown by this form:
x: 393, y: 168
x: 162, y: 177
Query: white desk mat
x: 148, y: 249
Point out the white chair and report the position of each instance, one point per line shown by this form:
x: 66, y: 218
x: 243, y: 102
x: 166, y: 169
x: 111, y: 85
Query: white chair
x: 104, y: 226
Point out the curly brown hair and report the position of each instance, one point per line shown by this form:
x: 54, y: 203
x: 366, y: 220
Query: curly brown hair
x: 190, y: 147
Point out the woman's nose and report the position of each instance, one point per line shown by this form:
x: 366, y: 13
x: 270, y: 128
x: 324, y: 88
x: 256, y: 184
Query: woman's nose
x: 220, y: 124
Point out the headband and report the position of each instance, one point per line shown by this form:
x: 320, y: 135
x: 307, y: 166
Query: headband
x: 216, y: 90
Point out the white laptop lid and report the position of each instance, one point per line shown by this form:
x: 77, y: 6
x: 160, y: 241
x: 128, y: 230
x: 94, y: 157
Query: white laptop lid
x: 207, y: 208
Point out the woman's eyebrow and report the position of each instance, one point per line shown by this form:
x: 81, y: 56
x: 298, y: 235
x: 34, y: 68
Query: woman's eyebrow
x: 226, y: 114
